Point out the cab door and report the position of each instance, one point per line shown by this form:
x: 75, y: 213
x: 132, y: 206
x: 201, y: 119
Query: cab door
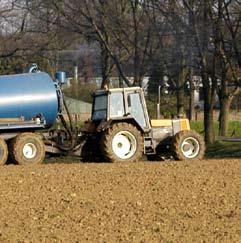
x: 136, y: 109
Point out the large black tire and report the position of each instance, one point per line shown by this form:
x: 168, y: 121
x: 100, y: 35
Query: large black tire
x: 122, y: 142
x: 27, y: 149
x: 188, y: 145
x: 3, y: 152
x: 90, y: 151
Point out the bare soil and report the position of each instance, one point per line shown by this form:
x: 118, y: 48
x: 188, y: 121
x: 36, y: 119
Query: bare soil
x: 196, y: 201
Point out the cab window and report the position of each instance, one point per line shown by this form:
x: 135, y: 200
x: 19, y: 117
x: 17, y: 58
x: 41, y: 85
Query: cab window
x: 135, y: 108
x: 100, y: 107
x: 116, y: 105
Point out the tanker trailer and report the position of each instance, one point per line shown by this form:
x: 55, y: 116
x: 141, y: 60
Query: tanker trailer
x: 30, y: 104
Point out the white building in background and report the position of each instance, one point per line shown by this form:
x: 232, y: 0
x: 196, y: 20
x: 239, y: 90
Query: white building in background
x: 197, y: 80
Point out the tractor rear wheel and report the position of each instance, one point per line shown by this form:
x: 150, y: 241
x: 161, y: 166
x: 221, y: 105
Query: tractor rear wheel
x: 188, y: 145
x: 122, y: 142
x: 3, y: 152
x: 27, y: 149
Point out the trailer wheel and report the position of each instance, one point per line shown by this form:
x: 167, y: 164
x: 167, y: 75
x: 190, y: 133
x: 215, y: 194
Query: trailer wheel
x: 27, y: 149
x: 3, y: 152
x: 188, y: 145
x: 122, y: 142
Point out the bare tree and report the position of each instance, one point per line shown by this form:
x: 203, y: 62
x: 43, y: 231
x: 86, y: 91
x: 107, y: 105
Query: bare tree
x: 123, y: 30
x: 227, y: 18
x: 11, y: 28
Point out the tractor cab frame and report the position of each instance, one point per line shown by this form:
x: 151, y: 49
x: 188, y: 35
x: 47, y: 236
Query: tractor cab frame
x: 121, y: 104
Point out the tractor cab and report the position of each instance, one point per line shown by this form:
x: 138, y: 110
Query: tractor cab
x: 121, y: 104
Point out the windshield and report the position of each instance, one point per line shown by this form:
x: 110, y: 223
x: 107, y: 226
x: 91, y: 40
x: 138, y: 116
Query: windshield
x: 100, y: 107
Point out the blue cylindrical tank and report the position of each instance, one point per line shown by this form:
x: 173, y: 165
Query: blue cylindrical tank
x: 27, y: 95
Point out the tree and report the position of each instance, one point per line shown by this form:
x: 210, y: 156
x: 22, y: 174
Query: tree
x: 226, y: 18
x: 200, y: 33
x: 11, y: 29
x: 24, y: 38
x: 123, y: 30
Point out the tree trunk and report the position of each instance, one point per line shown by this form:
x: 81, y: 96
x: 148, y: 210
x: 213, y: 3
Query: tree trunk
x: 180, y: 101
x: 209, y: 92
x: 191, y: 101
x: 105, y: 67
x: 224, y: 116
x: 208, y: 124
x: 180, y: 88
x: 121, y: 84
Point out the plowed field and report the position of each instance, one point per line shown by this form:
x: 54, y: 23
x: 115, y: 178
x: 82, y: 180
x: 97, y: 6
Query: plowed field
x: 143, y: 202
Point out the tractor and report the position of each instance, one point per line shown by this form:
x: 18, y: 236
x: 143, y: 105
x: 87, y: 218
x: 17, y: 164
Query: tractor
x: 121, y: 130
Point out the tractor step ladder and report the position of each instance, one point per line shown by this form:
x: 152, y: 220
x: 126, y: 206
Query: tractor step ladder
x: 150, y: 146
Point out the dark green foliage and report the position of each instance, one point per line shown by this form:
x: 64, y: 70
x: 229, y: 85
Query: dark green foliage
x: 15, y: 65
x: 167, y: 106
x: 11, y: 65
x: 156, y: 77
x: 220, y: 150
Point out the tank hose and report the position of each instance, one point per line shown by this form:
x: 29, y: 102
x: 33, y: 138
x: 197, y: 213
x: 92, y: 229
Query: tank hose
x: 69, y: 115
x: 70, y: 130
x: 71, y: 134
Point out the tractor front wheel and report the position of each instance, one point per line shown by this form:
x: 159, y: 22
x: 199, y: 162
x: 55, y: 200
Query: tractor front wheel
x: 122, y: 142
x: 188, y: 145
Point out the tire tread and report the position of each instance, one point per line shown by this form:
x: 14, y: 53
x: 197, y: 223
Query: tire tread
x: 4, y: 147
x: 106, y: 142
x: 15, y: 151
x: 178, y: 138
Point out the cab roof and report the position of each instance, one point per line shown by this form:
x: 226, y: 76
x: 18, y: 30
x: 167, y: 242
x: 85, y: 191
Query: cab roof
x: 117, y: 90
